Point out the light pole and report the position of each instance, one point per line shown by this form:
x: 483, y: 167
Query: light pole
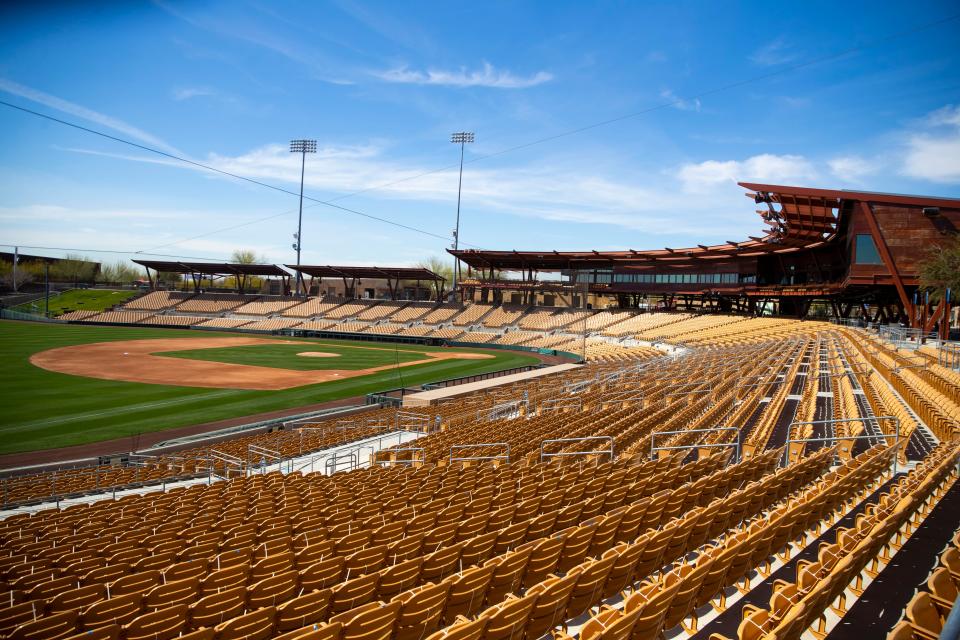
x: 461, y: 138
x: 303, y: 147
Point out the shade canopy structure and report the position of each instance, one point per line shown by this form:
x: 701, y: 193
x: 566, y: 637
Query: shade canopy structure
x: 392, y: 275
x: 385, y: 273
x: 857, y: 248
x: 213, y: 269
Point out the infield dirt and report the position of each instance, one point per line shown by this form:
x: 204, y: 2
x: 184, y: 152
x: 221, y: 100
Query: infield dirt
x: 138, y: 361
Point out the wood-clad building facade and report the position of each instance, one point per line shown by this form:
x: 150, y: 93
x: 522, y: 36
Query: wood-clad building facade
x: 857, y: 252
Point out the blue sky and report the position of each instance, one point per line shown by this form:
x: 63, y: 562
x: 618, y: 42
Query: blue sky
x: 382, y: 85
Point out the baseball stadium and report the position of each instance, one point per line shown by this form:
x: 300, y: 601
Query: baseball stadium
x: 542, y: 434
x: 671, y: 428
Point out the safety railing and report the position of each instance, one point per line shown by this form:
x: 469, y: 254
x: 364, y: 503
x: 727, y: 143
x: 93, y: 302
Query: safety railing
x: 544, y: 454
x: 505, y: 457
x: 333, y: 463
x: 409, y: 421
x: 392, y: 460
x: 948, y: 355
x: 792, y: 452
x: 560, y: 404
x: 502, y: 411
x: 260, y: 458
x: 370, y: 446
x: 230, y: 464
x: 735, y: 445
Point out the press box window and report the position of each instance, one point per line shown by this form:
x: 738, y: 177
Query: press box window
x: 866, y: 250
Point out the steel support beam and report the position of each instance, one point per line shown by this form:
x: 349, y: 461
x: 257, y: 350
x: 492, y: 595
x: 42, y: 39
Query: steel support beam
x: 887, y: 258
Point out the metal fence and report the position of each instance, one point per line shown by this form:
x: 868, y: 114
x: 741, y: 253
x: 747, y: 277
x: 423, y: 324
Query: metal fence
x: 790, y: 451
x: 735, y: 445
x: 480, y: 445
x: 544, y: 454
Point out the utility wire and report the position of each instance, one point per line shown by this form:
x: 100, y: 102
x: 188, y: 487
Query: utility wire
x: 221, y: 171
x: 671, y: 103
x: 112, y: 251
x: 526, y: 145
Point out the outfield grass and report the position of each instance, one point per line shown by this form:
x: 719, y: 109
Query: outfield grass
x: 284, y: 356
x: 42, y: 409
x: 79, y: 300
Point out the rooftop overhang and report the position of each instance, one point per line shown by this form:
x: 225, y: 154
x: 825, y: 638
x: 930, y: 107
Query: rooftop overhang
x: 797, y: 218
x: 214, y: 268
x: 370, y: 273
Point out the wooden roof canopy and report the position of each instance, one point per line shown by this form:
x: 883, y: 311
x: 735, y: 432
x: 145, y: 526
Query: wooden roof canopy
x: 797, y: 218
x: 214, y: 268
x: 385, y: 273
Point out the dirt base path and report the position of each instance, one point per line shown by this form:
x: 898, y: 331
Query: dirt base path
x: 146, y: 440
x: 137, y: 361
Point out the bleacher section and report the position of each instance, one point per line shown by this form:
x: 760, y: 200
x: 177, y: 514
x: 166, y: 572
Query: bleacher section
x: 601, y: 502
x: 213, y: 303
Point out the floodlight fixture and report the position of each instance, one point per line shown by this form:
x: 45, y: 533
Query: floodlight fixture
x: 462, y: 138
x: 303, y: 147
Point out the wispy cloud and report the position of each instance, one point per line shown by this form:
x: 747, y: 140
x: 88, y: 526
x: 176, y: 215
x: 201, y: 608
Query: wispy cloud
x: 775, y: 52
x: 323, y: 67
x: 186, y: 93
x: 933, y: 148
x: 487, y: 76
x: 680, y: 103
x: 704, y: 176
x: 64, y: 106
x: 852, y: 168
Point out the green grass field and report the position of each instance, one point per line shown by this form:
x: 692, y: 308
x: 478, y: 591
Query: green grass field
x: 42, y: 409
x: 79, y: 300
x: 284, y: 356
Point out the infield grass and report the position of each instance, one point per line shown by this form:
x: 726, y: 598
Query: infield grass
x: 42, y: 409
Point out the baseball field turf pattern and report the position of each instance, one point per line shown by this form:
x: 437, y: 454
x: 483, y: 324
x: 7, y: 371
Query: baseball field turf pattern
x: 43, y: 409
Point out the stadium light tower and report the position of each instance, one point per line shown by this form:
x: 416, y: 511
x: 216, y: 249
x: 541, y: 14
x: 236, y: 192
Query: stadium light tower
x: 303, y: 147
x: 461, y: 138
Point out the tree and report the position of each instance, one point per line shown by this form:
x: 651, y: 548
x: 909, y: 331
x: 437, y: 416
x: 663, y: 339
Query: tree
x: 444, y: 269
x: 121, y: 271
x: 26, y: 273
x: 73, y: 268
x: 940, y: 269
x: 246, y: 256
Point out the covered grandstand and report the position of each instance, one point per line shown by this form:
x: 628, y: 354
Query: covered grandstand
x: 702, y: 474
x: 197, y: 271
x: 857, y: 252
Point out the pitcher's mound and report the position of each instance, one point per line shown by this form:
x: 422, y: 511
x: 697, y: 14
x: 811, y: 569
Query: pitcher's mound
x: 318, y: 354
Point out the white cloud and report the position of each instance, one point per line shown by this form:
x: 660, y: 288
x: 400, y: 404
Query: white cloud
x: 852, y: 168
x: 933, y: 152
x: 60, y: 104
x: 488, y: 76
x: 680, y: 103
x: 185, y: 93
x: 773, y: 53
x: 703, y: 176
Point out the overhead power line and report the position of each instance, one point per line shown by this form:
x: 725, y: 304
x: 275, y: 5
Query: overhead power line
x: 670, y: 103
x: 220, y: 171
x: 663, y: 105
x: 331, y: 202
x: 113, y: 251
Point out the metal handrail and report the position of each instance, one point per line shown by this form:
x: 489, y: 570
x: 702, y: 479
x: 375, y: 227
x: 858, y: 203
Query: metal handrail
x: 735, y: 443
x: 478, y: 445
x: 560, y: 404
x: 609, y: 452
x: 895, y: 435
x: 411, y: 461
